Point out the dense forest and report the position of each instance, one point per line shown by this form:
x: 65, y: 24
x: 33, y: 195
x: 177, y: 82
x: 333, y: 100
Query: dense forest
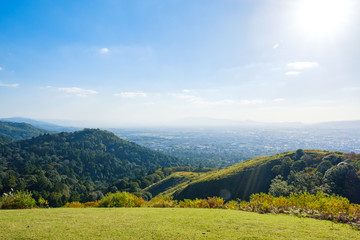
x: 79, y: 166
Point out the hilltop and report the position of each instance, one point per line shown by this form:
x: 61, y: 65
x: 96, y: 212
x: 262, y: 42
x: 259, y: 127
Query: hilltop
x: 19, y: 131
x: 280, y: 174
x: 77, y: 166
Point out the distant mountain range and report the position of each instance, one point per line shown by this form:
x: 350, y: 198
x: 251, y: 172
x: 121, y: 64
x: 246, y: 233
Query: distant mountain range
x: 212, y: 122
x: 186, y: 123
x: 41, y: 124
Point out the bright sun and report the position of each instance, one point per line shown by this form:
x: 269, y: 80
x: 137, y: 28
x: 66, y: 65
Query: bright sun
x: 319, y: 19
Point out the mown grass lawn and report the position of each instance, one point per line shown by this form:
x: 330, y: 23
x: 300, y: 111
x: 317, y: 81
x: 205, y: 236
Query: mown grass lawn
x: 156, y: 223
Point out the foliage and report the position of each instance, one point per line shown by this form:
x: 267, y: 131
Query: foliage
x: 343, y: 180
x: 17, y: 200
x: 210, y: 202
x: 279, y: 187
x: 74, y: 205
x: 43, y: 203
x: 121, y: 199
x: 324, y: 166
x: 281, y: 174
x: 162, y: 201
x: 80, y: 166
x: 319, y: 205
x: 82, y: 205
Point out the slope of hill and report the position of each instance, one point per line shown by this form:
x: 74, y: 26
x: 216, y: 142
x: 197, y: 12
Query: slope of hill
x: 18, y: 131
x: 41, y: 124
x: 174, y: 182
x: 74, y: 166
x: 310, y: 171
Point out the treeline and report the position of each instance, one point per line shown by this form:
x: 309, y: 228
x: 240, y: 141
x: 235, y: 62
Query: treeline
x: 80, y: 166
x: 335, y: 173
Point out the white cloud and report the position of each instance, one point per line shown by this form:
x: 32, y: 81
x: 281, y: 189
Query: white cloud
x: 80, y: 92
x: 13, y: 85
x: 131, y: 94
x: 302, y: 65
x: 1, y: 68
x: 276, y: 46
x: 104, y: 50
x: 292, y: 73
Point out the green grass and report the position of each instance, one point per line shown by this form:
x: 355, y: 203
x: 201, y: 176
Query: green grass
x: 152, y: 223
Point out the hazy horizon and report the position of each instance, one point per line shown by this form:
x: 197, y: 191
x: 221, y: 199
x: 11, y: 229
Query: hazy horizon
x: 148, y: 63
x: 179, y: 123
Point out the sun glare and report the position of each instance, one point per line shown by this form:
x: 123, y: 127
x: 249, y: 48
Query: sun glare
x: 318, y: 19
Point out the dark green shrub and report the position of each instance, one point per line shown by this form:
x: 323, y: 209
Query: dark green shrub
x: 298, y: 166
x: 299, y: 153
x: 334, y: 159
x: 324, y: 166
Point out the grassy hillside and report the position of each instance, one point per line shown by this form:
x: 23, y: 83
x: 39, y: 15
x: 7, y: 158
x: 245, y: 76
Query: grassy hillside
x: 151, y: 223
x: 175, y: 182
x: 19, y: 131
x: 301, y: 168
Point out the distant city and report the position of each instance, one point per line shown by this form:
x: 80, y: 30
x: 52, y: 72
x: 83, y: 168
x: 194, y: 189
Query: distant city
x: 220, y: 147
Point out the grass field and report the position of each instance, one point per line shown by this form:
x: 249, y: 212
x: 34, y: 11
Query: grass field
x: 167, y: 223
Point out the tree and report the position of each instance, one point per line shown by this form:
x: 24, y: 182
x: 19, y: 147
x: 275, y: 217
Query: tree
x: 279, y: 187
x: 324, y: 166
x: 299, y: 153
x: 343, y: 180
x: 286, y: 166
x: 298, y: 166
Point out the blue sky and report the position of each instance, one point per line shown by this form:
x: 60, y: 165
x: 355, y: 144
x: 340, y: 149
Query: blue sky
x: 121, y: 63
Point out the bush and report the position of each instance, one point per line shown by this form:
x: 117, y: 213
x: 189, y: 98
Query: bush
x: 163, y: 201
x: 92, y: 204
x: 82, y: 205
x: 319, y: 205
x: 121, y: 199
x: 43, y: 203
x: 74, y: 205
x: 18, y: 200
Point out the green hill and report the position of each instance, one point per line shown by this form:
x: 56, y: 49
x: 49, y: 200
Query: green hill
x: 77, y: 166
x: 19, y: 131
x: 300, y: 171
x: 174, y: 182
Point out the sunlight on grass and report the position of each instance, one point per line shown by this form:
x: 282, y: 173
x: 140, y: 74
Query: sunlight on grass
x: 151, y: 223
